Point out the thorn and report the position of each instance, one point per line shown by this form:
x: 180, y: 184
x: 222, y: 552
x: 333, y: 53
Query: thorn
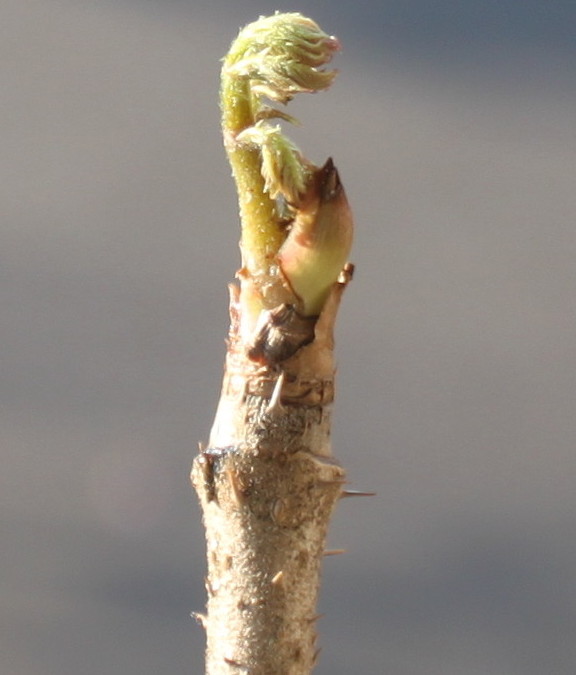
x: 201, y: 446
x: 200, y: 619
x: 316, y: 656
x: 275, y: 406
x: 323, y: 461
x: 334, y: 551
x: 277, y: 578
x: 314, y: 618
x: 356, y: 493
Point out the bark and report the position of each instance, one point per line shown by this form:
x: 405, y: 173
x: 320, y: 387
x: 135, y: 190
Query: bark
x: 267, y: 486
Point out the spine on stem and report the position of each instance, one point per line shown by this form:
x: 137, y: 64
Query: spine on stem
x: 267, y: 482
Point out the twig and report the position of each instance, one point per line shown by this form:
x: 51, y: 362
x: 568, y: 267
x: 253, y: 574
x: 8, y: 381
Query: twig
x: 267, y: 482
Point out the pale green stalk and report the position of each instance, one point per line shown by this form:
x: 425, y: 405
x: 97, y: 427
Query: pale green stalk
x: 274, y: 58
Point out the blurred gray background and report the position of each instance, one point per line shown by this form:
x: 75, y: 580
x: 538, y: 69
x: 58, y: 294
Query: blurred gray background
x: 453, y: 125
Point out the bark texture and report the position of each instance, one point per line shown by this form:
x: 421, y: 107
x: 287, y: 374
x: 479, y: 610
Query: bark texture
x: 267, y: 485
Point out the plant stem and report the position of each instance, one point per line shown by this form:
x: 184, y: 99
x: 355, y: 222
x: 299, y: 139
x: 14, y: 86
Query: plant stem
x: 267, y: 483
x: 262, y: 234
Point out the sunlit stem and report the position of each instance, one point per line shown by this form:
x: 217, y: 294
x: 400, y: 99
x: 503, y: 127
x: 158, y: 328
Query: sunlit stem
x: 262, y: 233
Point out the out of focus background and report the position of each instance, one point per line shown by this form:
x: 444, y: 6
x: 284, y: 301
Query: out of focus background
x: 453, y: 126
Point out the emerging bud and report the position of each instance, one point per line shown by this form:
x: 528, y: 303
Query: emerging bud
x: 282, y: 55
x: 282, y: 167
x: 276, y: 58
x: 319, y: 241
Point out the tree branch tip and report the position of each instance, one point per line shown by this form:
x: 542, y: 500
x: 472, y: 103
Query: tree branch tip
x: 267, y: 480
x: 275, y: 57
